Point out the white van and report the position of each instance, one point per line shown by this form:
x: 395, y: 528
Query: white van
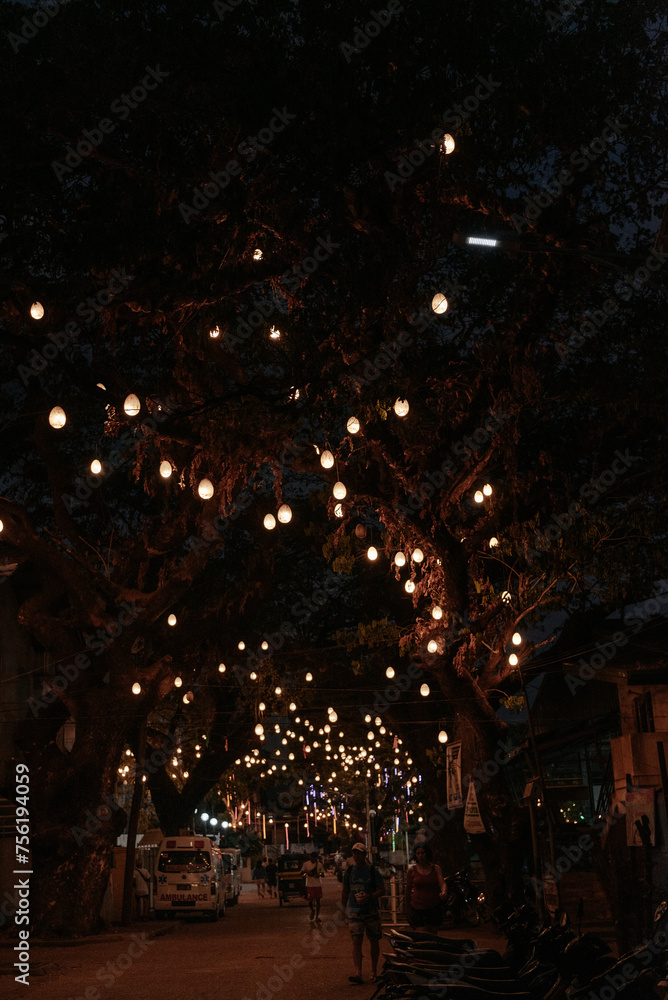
x: 190, y: 877
x: 232, y: 855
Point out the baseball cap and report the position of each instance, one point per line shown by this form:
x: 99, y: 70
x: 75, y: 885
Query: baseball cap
x: 359, y: 847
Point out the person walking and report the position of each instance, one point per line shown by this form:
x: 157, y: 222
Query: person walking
x: 425, y: 888
x: 362, y: 888
x: 272, y: 878
x: 140, y: 880
x: 313, y: 871
x: 260, y: 878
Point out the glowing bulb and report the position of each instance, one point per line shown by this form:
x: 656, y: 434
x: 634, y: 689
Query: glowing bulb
x: 241, y: 646
x: 57, y: 417
x: 257, y: 254
x: 478, y: 496
x: 37, y: 310
x: 265, y: 645
x: 269, y: 522
x: 136, y: 688
x: 339, y: 491
x: 214, y: 332
x: 439, y: 303
x: 513, y: 659
x: 437, y: 613
x: 506, y: 597
x: 372, y: 553
x: 292, y: 708
x: 418, y: 555
x: 178, y: 681
x: 309, y: 677
x: 338, y: 510
x: 253, y: 675
x: 259, y: 729
x: 401, y: 407
x: 487, y: 490
x: 274, y: 333
x: 353, y: 425
x: 517, y: 639
x: 442, y: 736
x: 132, y: 406
x: 448, y: 144
x: 166, y: 469
x: 278, y: 691
x: 221, y: 668
x: 284, y: 513
x: 424, y: 690
x: 409, y: 586
x: 400, y: 559
x: 327, y: 460
x: 493, y: 542
x: 389, y: 673
x: 96, y: 466
x: 171, y: 620
x: 432, y: 646
x: 205, y: 489
x: 188, y: 697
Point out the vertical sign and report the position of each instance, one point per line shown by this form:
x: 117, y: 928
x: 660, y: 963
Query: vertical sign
x: 454, y: 776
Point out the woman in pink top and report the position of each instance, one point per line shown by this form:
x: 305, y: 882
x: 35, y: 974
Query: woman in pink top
x: 425, y: 888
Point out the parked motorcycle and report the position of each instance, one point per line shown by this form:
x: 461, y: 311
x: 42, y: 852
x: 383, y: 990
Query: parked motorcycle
x: 463, y: 903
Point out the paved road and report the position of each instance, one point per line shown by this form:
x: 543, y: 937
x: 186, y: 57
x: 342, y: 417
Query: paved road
x: 258, y: 951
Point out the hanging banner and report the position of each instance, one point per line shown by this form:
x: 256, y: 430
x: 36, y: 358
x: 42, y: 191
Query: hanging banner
x: 472, y: 819
x: 454, y: 776
x: 640, y: 818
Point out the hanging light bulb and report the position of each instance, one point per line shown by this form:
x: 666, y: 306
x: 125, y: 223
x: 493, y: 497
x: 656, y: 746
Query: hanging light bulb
x: 442, y: 736
x: 166, y: 469
x: 259, y: 729
x: 516, y: 639
x: 353, y: 425
x: 506, y: 597
x: 327, y: 460
x: 409, y: 586
x: 338, y: 510
x: 478, y: 496
x: 214, y: 332
x: 221, y: 668
x: 309, y: 677
x: 448, y: 144
x: 284, y: 513
x: 178, y: 681
x: 432, y: 646
x: 401, y: 407
x: 1, y: 525
x: 513, y: 660
x: 96, y: 467
x: 136, y: 688
x: 57, y: 417
x: 265, y: 645
x: 132, y: 406
x: 372, y: 553
x: 418, y: 555
x: 269, y: 522
x: 339, y: 491
x: 278, y: 691
x: 188, y: 697
x: 333, y: 717
x: 437, y: 613
x: 389, y: 673
x: 424, y: 690
x: 241, y: 646
x: 439, y: 303
x: 171, y: 620
x: 487, y: 489
x: 205, y: 489
x: 37, y: 310
x: 274, y: 333
x: 293, y: 708
x: 400, y: 559
x: 493, y: 542
x: 257, y: 254
x: 253, y: 675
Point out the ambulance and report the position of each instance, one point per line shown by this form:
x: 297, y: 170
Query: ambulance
x: 190, y: 878
x: 232, y: 862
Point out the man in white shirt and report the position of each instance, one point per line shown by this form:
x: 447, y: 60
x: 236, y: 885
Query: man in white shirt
x: 313, y: 871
